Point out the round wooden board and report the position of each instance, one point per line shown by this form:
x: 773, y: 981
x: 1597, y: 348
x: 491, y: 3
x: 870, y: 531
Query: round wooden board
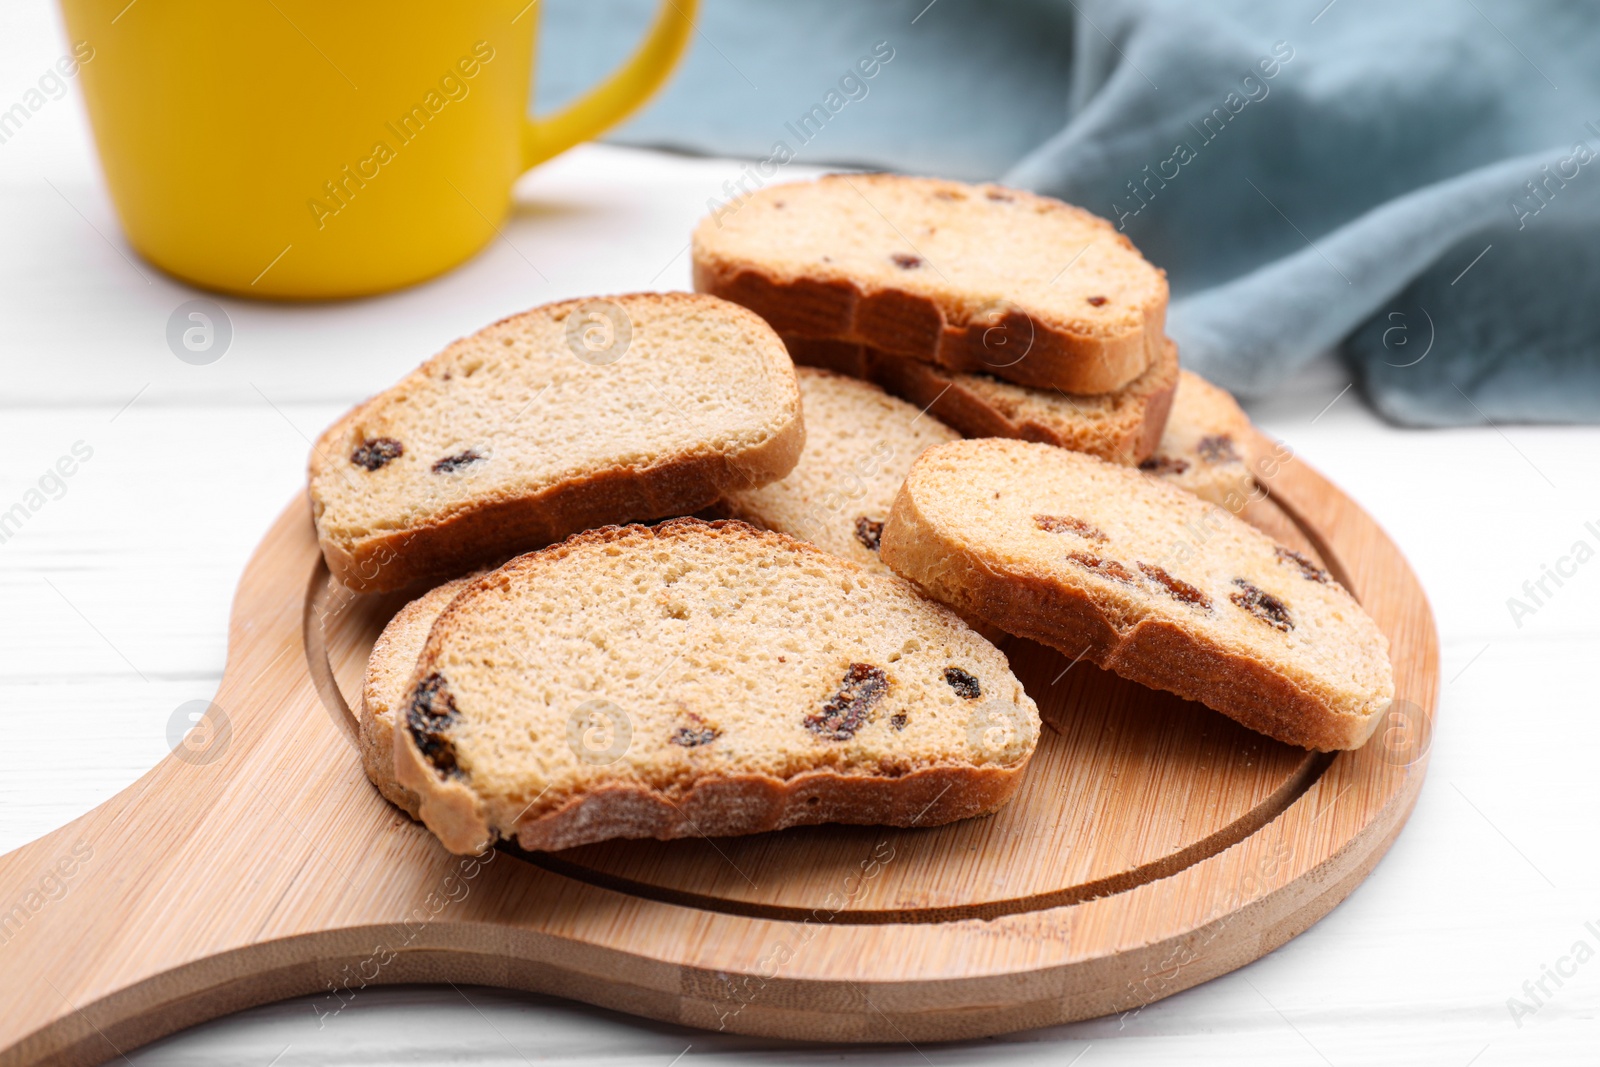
x: 1153, y: 845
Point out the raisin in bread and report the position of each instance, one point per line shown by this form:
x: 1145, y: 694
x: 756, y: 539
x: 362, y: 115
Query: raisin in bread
x: 1209, y: 447
x: 560, y: 419
x: 968, y: 277
x: 860, y: 442
x: 387, y: 683
x: 1099, y: 561
x: 702, y: 678
x: 1122, y: 426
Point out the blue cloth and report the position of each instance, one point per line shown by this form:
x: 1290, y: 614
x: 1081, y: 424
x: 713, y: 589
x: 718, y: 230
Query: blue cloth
x: 1415, y: 182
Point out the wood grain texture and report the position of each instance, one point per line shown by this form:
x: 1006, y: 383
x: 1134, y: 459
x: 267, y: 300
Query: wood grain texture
x: 1156, y: 846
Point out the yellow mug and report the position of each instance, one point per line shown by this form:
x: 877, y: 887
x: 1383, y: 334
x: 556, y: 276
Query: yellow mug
x: 307, y: 149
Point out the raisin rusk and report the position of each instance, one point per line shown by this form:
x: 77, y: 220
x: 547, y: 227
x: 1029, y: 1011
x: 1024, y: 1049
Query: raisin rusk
x: 1130, y: 573
x: 972, y: 278
x: 684, y: 679
x: 1170, y: 422
x: 860, y: 442
x: 386, y: 686
x: 1122, y: 426
x: 1209, y: 445
x: 557, y: 420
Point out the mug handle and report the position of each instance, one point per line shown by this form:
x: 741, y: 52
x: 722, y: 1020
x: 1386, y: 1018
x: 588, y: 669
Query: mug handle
x: 619, y: 95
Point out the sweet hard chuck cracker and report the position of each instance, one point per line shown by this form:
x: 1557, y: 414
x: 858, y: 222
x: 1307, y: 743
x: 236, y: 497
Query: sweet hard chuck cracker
x: 1122, y: 426
x: 860, y: 442
x: 966, y: 277
x: 387, y: 683
x: 1172, y: 423
x: 701, y: 678
x: 1102, y: 562
x: 567, y: 417
x: 1209, y: 446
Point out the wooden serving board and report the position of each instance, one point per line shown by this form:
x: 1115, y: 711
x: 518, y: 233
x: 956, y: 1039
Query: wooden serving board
x: 1154, y: 845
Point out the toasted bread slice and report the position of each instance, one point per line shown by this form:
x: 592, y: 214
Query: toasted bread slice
x: 1209, y: 446
x: 1137, y: 576
x: 1172, y: 423
x: 1123, y: 426
x: 967, y: 277
x: 387, y: 683
x: 701, y: 678
x: 563, y: 418
x: 860, y: 442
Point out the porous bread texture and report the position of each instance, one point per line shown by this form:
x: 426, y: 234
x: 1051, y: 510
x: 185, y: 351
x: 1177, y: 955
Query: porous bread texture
x: 702, y: 678
x: 860, y: 442
x: 1209, y: 446
x: 508, y: 440
x: 1137, y: 576
x: 968, y: 277
x: 1122, y: 426
x: 387, y: 683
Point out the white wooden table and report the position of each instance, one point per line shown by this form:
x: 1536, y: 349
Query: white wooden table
x: 115, y: 595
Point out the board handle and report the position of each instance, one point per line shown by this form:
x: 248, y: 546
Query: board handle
x: 171, y: 902
x: 71, y: 896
